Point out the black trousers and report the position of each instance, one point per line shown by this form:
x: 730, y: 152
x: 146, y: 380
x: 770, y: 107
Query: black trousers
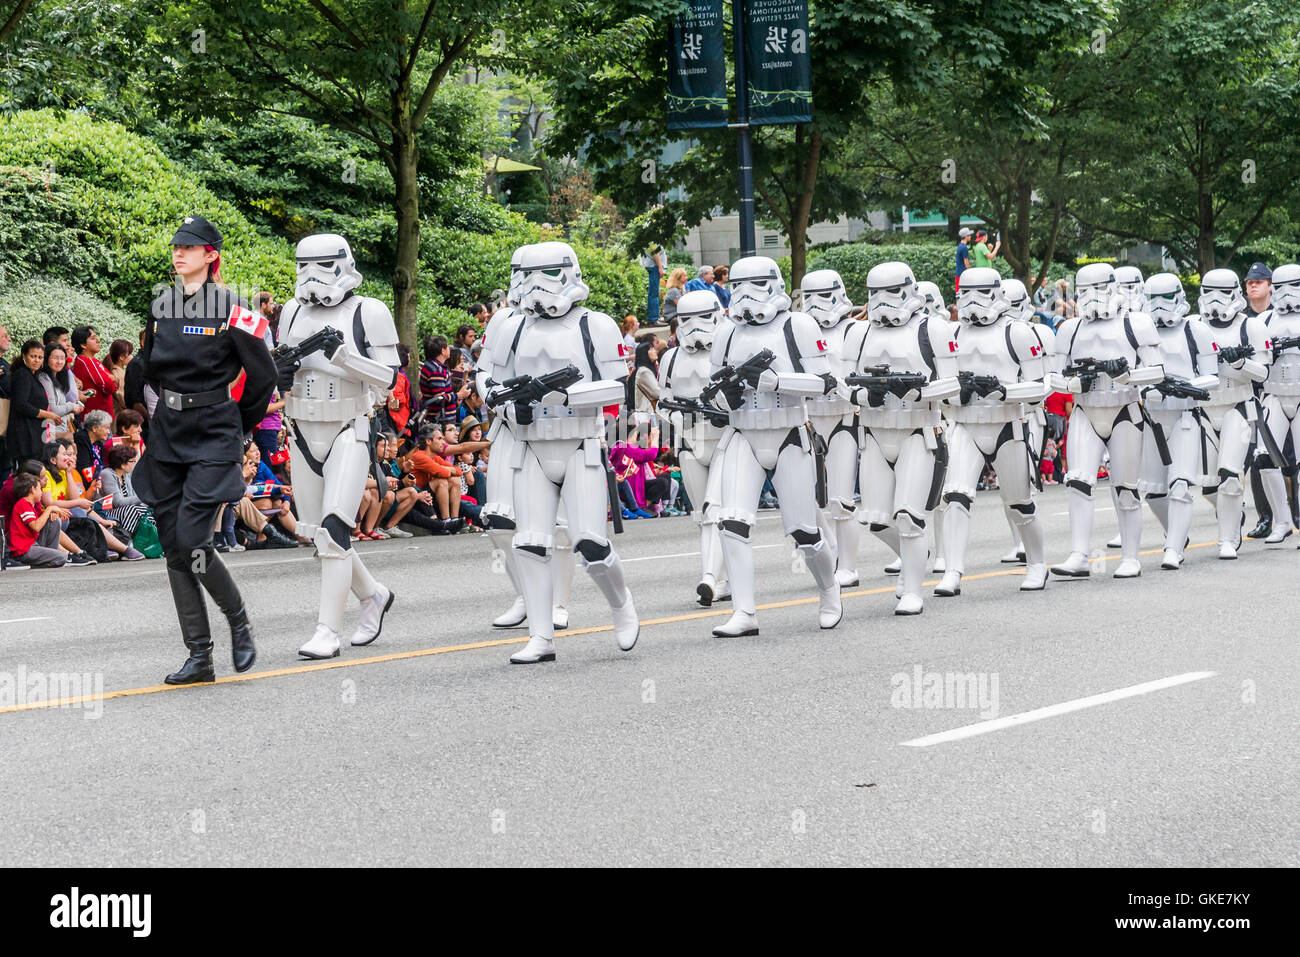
x: 658, y: 489
x: 185, y: 497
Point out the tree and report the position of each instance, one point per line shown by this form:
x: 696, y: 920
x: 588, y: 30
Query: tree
x: 371, y: 68
x: 1198, y: 142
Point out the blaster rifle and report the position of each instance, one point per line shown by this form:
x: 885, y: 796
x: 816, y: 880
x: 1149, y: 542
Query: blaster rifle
x: 1235, y: 353
x: 288, y: 358
x: 729, y: 376
x: 974, y: 383
x: 1179, y: 388
x: 714, y: 415
x: 1285, y: 342
x: 880, y: 379
x: 527, y: 389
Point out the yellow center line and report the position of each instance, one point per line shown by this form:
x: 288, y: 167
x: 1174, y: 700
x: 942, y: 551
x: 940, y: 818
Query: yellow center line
x: 495, y: 643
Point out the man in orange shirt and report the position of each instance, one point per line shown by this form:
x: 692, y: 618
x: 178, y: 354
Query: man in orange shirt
x: 433, y: 472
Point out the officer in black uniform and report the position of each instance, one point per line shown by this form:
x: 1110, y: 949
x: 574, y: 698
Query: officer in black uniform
x: 192, y: 354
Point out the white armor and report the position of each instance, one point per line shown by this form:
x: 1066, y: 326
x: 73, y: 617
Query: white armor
x: 1128, y: 284
x: 902, y: 465
x: 498, y: 512
x: 1232, y: 410
x: 1187, y: 351
x: 557, y: 453
x: 768, y: 432
x: 329, y: 407
x: 683, y: 373
x: 992, y: 429
x: 1107, y: 416
x: 832, y: 417
x: 1281, y: 400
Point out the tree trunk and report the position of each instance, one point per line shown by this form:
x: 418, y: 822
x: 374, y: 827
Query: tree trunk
x: 1019, y: 251
x: 1205, y: 232
x: 802, y: 211
x: 406, y: 208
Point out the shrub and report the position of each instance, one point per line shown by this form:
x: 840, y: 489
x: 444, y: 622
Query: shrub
x: 129, y: 198
x: 932, y: 261
x: 29, y: 307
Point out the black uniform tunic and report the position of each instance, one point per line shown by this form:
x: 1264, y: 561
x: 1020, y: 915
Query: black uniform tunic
x: 192, y: 463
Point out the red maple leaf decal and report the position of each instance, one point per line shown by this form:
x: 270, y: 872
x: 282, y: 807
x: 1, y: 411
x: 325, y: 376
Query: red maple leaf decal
x: 821, y: 344
x: 1034, y: 350
x: 622, y: 349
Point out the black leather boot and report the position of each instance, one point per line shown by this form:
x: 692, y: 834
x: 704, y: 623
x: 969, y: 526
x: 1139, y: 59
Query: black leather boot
x: 193, y: 615
x: 216, y: 579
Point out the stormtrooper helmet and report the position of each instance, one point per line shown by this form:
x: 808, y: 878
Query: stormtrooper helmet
x: 327, y: 272
x: 892, y: 296
x: 1221, y: 297
x: 1166, y: 303
x: 551, y: 280
x: 698, y: 315
x: 757, y: 291
x: 1015, y: 295
x: 516, y: 289
x: 1286, y: 288
x: 932, y: 296
x: 1095, y: 285
x: 824, y: 297
x: 979, y: 300
x: 1128, y: 283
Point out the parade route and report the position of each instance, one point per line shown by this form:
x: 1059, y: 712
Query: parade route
x: 799, y: 746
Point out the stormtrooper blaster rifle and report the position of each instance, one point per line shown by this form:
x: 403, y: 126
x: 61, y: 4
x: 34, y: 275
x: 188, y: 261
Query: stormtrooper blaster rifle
x: 1088, y: 370
x: 289, y: 358
x: 1285, y: 342
x: 713, y: 414
x: 733, y: 378
x: 525, y: 390
x: 879, y: 380
x: 1179, y: 388
x: 1232, y: 354
x: 976, y: 384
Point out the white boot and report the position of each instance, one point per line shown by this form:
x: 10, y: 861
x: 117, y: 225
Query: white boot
x: 1231, y: 516
x: 538, y: 649
x: 741, y: 624
x: 608, y: 576
x: 909, y: 605
x: 820, y: 559
x: 707, y: 590
x: 847, y: 532
x: 373, y: 610
x: 913, y: 554
x: 1014, y: 557
x: 1171, y: 560
x: 1130, y: 528
x: 1275, y: 491
x: 559, y: 618
x: 830, y: 609
x: 513, y: 617
x: 323, y: 644
x: 1035, y: 577
x: 950, y: 585
x: 894, y: 567
x: 1076, y: 566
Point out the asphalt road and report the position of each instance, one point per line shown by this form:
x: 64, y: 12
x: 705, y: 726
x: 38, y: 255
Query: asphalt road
x: 796, y: 747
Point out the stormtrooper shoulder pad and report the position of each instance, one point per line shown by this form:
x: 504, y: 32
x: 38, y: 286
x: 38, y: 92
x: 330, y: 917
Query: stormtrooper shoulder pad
x: 1144, y: 328
x: 808, y: 337
x: 377, y: 322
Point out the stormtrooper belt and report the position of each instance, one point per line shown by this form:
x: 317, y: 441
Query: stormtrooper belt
x: 194, y: 400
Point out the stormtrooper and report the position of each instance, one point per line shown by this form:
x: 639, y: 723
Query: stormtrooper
x: 683, y: 373
x: 1244, y: 355
x: 1171, y: 456
x: 1107, y: 353
x: 832, y: 418
x: 1128, y: 284
x: 557, y: 429
x: 1022, y: 310
x: 1279, y: 430
x: 1002, y: 366
x: 768, y: 434
x: 498, y: 510
x: 332, y: 392
x: 902, y: 363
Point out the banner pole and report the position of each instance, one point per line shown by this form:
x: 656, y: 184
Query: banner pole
x: 744, y: 151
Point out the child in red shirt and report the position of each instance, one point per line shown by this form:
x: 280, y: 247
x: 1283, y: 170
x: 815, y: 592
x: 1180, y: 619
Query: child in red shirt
x: 34, y: 531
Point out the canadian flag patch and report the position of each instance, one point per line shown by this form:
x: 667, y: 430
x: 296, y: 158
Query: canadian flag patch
x: 1215, y: 345
x: 622, y: 349
x: 245, y: 320
x: 952, y: 345
x: 821, y: 344
x: 1034, y: 350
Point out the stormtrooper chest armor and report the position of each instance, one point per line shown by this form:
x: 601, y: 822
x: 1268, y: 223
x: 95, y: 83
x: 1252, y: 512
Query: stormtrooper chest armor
x: 898, y: 347
x: 1103, y: 339
x: 1230, y: 391
x: 688, y: 374
x: 322, y: 392
x: 765, y: 410
x: 986, y: 350
x: 548, y: 345
x: 833, y: 405
x: 1284, y: 373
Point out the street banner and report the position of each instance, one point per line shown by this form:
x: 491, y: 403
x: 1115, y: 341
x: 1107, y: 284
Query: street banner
x: 776, y: 61
x: 697, y: 68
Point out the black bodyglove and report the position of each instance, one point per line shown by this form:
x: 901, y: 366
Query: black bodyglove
x: 831, y: 383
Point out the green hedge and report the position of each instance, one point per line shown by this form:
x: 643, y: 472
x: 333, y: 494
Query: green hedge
x: 129, y: 198
x: 30, y: 307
